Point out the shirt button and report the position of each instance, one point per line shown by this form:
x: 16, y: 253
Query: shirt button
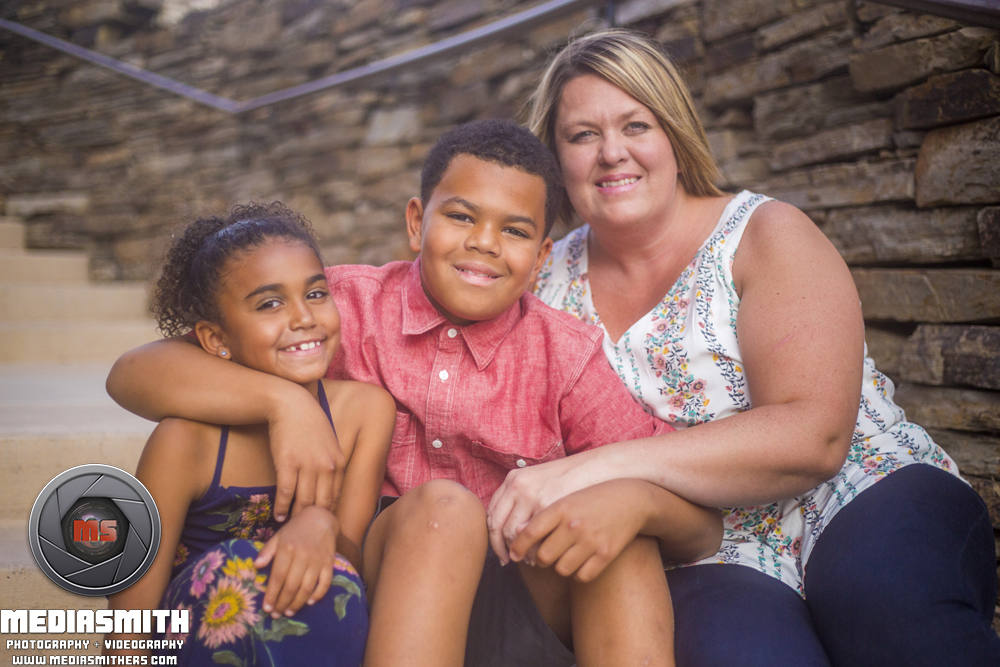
x: 521, y: 463
x: 443, y: 375
x: 452, y: 333
x: 437, y: 444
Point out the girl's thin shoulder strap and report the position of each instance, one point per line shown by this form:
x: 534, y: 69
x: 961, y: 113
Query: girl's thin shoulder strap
x: 325, y: 404
x: 223, y: 440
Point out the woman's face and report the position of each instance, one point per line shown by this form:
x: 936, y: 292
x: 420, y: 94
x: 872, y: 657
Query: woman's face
x: 617, y: 162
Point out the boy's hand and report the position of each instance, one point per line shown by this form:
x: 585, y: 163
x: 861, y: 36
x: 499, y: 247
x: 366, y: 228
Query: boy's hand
x: 524, y: 493
x: 584, y: 532
x: 303, y: 551
x: 306, y: 456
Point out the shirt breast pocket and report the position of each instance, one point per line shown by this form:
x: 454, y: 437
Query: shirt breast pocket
x: 491, y: 464
x: 401, y: 464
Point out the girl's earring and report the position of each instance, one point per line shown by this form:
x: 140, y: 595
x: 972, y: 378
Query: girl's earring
x: 223, y: 353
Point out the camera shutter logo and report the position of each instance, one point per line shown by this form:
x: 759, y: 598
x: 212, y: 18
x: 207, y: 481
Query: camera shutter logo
x: 94, y: 530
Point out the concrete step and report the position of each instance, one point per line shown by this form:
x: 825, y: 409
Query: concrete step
x: 11, y: 234
x: 21, y: 302
x: 31, y: 461
x: 43, y: 266
x: 68, y: 342
x: 23, y: 586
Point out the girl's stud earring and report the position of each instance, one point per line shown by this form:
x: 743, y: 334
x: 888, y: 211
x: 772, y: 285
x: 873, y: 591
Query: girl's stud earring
x: 223, y: 353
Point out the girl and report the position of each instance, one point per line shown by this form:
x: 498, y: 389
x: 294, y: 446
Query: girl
x: 251, y: 289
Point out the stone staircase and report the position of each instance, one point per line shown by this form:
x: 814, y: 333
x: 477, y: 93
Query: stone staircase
x: 59, y: 335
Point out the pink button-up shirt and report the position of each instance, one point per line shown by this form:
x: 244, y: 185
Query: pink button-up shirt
x: 474, y: 402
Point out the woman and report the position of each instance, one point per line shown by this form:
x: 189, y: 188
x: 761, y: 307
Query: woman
x: 760, y: 352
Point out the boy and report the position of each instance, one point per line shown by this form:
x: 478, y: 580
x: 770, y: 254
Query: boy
x: 486, y: 379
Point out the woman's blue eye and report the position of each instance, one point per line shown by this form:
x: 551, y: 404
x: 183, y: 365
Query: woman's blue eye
x: 638, y: 126
x: 580, y: 135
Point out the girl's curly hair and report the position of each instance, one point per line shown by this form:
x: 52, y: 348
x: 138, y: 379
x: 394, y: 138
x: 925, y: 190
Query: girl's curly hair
x: 188, y: 288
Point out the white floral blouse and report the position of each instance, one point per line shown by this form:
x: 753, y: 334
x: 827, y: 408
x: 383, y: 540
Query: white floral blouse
x: 682, y: 362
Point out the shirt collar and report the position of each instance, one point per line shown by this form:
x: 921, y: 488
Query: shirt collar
x: 482, y: 338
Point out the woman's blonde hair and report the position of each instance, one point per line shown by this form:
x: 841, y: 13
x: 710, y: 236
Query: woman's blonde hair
x: 634, y: 63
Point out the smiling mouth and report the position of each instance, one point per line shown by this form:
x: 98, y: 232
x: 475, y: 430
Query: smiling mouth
x: 303, y: 347
x: 615, y: 184
x: 478, y: 278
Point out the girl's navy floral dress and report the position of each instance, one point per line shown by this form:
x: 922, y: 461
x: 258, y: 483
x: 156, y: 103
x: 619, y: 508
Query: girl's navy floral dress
x: 215, y: 578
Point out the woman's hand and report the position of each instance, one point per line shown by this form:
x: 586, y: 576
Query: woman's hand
x: 582, y: 533
x: 303, y: 552
x: 527, y: 491
x: 307, y: 457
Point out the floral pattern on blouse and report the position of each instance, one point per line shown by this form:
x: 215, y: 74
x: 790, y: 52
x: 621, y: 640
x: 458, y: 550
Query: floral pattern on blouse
x: 682, y: 362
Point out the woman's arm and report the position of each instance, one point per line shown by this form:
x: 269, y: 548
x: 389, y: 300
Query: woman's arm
x: 585, y: 531
x: 174, y: 445
x: 801, y: 339
x: 176, y: 378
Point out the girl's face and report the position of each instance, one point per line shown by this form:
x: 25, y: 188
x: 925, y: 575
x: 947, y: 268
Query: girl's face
x: 618, y: 164
x: 277, y: 313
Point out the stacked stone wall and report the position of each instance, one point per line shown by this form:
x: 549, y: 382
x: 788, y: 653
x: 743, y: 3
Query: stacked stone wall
x: 881, y: 124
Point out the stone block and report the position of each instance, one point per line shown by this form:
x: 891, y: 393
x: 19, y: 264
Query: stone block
x: 89, y: 12
x: 393, y: 126
x: 393, y: 191
x: 361, y: 15
x: 374, y: 163
x: 803, y: 24
x: 975, y: 453
x: 900, y: 65
x: 949, y: 407
x: 341, y: 192
x: 801, y: 111
x: 451, y: 13
x: 952, y: 355
x: 988, y: 222
x: 556, y: 32
x: 28, y: 205
x: 842, y: 185
x: 729, y: 52
x: 871, y: 11
x: 728, y: 17
x: 744, y: 172
x: 897, y: 234
x: 487, y: 63
x: 884, y: 347
x: 903, y: 28
x: 830, y: 145
x: 989, y: 490
x: 929, y: 295
x: 800, y: 63
x: 960, y: 165
x: 258, y: 31
x: 633, y: 11
x: 948, y: 99
x: 729, y: 144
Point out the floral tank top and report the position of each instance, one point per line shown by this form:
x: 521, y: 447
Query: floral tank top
x: 682, y: 362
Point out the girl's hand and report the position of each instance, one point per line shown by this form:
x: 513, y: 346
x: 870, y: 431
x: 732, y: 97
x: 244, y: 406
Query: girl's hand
x: 582, y: 533
x: 307, y: 457
x: 303, y: 551
x: 527, y: 491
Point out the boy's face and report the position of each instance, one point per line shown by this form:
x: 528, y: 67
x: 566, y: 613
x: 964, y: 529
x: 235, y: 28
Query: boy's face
x: 481, y: 238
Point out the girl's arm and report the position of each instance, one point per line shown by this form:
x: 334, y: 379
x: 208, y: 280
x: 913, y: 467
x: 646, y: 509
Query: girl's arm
x: 174, y: 445
x: 374, y: 417
x: 801, y: 340
x: 304, y: 551
x: 584, y: 532
x: 177, y: 378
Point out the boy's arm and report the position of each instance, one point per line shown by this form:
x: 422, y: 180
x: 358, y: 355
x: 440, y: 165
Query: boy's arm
x: 167, y: 451
x: 585, y: 531
x: 176, y: 378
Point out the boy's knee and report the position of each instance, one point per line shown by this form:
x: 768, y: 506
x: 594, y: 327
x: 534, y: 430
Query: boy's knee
x: 447, y: 508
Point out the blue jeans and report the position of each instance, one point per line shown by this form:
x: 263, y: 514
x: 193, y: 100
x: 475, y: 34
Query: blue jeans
x: 905, y: 574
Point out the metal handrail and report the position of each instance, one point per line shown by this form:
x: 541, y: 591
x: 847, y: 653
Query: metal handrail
x: 536, y: 15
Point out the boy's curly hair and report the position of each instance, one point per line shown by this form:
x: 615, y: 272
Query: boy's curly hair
x: 188, y: 288
x: 501, y: 142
